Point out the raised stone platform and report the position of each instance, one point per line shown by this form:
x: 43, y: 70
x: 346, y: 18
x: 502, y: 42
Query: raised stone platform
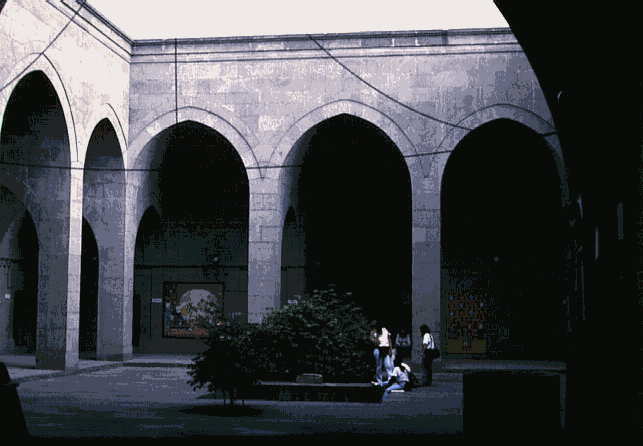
x: 326, y: 392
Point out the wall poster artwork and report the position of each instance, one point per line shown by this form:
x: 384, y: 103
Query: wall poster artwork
x: 190, y: 308
x: 466, y: 321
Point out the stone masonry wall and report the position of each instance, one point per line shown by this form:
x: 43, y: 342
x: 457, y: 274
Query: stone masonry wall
x: 266, y: 93
x: 425, y: 90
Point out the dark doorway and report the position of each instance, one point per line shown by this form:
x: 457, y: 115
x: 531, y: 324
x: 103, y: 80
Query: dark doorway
x: 201, y: 193
x: 502, y: 236
x: 293, y: 259
x: 148, y: 239
x: 201, y: 176
x: 87, y: 342
x: 25, y: 311
x: 355, y: 200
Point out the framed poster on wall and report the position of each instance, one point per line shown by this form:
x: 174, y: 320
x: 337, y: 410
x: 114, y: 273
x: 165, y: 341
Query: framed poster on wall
x: 466, y: 320
x: 189, y: 308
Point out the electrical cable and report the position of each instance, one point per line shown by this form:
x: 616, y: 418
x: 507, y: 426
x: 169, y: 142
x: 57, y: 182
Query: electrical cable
x: 43, y: 166
x: 432, y: 118
x: 253, y: 167
x: 97, y: 169
x: 359, y: 78
x: 82, y: 4
x: 176, y: 80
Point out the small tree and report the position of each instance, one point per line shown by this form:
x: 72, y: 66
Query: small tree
x: 229, y: 364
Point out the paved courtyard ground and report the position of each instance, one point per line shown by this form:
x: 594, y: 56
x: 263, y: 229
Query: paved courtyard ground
x: 157, y: 401
x: 148, y: 396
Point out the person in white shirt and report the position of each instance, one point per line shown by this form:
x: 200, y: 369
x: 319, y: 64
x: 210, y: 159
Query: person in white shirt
x: 383, y: 351
x: 427, y: 356
x: 399, y: 379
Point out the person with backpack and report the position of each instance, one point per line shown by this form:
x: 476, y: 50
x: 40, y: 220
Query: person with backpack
x: 429, y: 353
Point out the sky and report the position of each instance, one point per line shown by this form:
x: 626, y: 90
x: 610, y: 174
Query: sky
x: 164, y: 19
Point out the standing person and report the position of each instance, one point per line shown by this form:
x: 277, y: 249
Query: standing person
x: 399, y: 379
x: 383, y: 351
x: 167, y: 316
x: 428, y: 350
x: 465, y: 338
x: 403, y: 344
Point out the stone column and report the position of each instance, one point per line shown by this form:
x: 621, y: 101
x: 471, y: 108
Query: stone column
x: 110, y: 235
x: 264, y: 247
x: 426, y: 299
x: 59, y: 222
x: 6, y: 337
x: 104, y: 209
x: 129, y: 252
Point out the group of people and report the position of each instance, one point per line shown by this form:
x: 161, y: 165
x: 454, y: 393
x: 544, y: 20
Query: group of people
x: 389, y: 357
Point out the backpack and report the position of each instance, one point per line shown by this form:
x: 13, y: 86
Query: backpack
x: 434, y: 352
x: 413, y: 381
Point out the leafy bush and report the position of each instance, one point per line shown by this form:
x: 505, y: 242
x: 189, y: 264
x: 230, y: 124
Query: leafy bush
x: 321, y: 334
x: 230, y: 363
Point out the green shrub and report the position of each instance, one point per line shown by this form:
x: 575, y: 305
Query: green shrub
x: 321, y: 334
x: 230, y: 363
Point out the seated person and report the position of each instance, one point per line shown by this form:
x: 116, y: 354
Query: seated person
x: 399, y: 380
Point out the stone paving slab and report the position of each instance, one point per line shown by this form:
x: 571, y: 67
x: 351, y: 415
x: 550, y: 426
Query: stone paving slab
x: 160, y: 361
x: 463, y: 364
x: 23, y: 367
x: 169, y: 386
x: 157, y: 401
x: 21, y: 374
x: 23, y: 361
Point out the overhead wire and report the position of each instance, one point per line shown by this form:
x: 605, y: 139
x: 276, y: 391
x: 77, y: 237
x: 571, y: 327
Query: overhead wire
x: 99, y: 169
x: 432, y: 118
x: 44, y: 166
x: 82, y: 4
x: 389, y: 97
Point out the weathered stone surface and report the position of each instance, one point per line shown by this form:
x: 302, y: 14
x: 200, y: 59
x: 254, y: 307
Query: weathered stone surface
x: 262, y: 95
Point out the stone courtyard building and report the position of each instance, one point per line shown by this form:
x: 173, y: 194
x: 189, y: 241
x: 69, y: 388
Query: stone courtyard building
x: 411, y: 169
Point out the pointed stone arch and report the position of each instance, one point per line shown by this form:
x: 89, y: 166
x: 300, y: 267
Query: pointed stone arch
x: 106, y: 112
x: 53, y: 195
x: 104, y: 211
x: 282, y: 153
x: 44, y: 65
x: 228, y: 127
x: 362, y: 163
x: 519, y: 115
x: 504, y: 237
